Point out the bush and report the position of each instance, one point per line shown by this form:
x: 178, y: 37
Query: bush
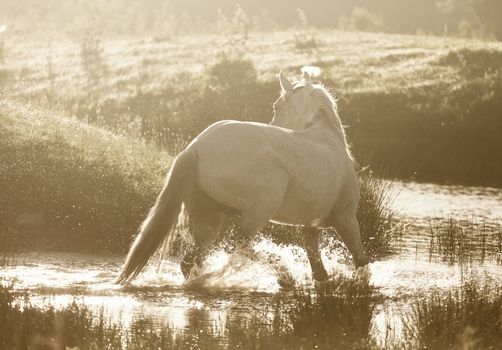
x: 305, y: 39
x: 91, y: 55
x: 362, y: 19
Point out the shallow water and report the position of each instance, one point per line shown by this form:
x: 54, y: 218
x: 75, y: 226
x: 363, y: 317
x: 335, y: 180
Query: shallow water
x: 423, y: 201
x: 235, y: 285
x: 427, y: 207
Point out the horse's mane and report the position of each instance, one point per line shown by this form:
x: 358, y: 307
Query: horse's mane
x: 326, y: 102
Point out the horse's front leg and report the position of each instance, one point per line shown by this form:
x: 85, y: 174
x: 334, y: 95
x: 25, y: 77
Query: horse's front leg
x: 311, y: 237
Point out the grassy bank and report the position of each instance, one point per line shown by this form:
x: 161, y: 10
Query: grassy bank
x: 67, y: 184
x: 424, y: 107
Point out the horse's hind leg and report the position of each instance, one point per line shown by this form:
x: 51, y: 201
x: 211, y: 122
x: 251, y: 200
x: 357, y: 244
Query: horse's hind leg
x: 252, y: 219
x: 205, y: 218
x: 311, y: 237
x: 204, y: 233
x: 255, y: 216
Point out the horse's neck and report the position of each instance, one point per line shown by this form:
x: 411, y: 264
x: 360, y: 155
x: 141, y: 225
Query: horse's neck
x: 328, y: 119
x: 319, y: 129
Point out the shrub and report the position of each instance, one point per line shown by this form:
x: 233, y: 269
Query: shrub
x: 305, y: 39
x: 235, y: 30
x: 2, y: 43
x: 362, y: 19
x: 91, y: 55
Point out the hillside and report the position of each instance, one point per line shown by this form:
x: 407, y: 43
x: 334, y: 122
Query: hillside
x: 419, y: 107
x: 354, y: 61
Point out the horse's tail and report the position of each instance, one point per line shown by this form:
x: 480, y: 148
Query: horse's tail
x: 163, y: 217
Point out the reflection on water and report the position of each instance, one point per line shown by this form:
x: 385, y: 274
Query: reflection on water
x: 424, y: 201
x: 235, y: 285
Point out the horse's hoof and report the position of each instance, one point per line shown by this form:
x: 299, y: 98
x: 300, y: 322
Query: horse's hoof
x: 195, y: 272
x: 320, y: 284
x: 320, y: 281
x: 285, y: 280
x: 186, y: 268
x: 320, y: 275
x: 286, y: 283
x: 361, y: 261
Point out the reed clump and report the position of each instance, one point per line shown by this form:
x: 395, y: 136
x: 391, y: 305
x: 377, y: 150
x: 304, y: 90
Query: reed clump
x: 465, y: 317
x: 379, y: 223
x: 339, y: 312
x: 464, y: 241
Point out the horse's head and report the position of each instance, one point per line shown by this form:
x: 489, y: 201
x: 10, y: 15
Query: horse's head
x: 294, y: 108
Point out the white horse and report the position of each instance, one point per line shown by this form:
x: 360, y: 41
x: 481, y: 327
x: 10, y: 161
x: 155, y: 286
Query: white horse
x: 298, y: 170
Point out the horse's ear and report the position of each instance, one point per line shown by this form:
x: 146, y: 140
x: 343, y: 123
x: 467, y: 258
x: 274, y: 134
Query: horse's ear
x: 285, y: 83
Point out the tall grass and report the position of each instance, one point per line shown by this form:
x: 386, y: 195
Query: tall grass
x: 380, y: 225
x: 336, y: 316
x: 463, y: 241
x: 23, y: 326
x: 466, y: 317
x: 7, y: 246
